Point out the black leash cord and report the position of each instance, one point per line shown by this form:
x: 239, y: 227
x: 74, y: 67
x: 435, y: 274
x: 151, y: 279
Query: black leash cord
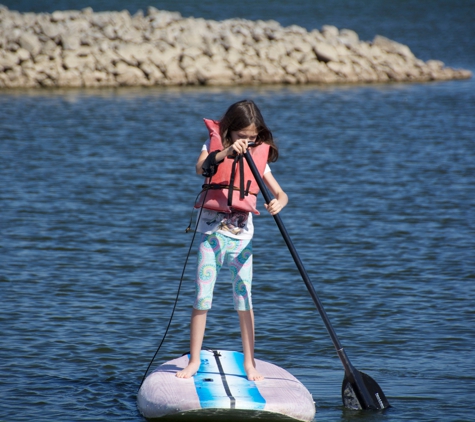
x: 178, y: 291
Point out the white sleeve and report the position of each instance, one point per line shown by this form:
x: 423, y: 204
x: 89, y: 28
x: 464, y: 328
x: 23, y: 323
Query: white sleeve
x: 267, y: 169
x: 206, y: 146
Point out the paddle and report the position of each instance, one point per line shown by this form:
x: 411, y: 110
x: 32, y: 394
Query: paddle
x: 359, y: 390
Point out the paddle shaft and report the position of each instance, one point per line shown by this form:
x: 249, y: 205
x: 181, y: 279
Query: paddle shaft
x: 352, y: 374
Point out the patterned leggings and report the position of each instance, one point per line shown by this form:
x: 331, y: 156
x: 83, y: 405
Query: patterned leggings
x: 214, y: 251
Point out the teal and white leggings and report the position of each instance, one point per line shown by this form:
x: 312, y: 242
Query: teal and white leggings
x: 216, y: 250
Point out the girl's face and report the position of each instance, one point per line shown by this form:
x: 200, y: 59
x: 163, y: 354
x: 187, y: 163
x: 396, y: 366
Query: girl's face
x: 248, y: 133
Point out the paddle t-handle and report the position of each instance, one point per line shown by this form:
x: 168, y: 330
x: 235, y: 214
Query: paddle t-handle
x: 359, y: 390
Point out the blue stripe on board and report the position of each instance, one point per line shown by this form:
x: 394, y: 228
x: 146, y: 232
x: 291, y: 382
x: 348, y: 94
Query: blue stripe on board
x: 245, y: 392
x: 209, y: 388
x: 224, y: 380
x: 209, y: 385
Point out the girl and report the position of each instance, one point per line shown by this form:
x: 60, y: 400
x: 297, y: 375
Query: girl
x: 226, y: 220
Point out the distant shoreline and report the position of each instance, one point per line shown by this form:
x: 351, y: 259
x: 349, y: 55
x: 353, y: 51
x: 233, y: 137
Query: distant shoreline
x: 109, y: 49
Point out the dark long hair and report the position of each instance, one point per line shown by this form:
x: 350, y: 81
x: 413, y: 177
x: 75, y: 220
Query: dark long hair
x: 241, y: 115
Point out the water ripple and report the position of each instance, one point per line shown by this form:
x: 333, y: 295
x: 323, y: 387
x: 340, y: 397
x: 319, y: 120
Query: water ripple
x: 96, y: 201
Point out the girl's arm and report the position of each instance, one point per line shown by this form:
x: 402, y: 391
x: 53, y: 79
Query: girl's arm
x: 200, y: 161
x: 239, y: 147
x: 280, y: 197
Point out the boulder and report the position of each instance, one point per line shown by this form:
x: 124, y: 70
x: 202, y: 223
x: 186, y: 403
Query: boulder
x: 8, y: 60
x: 70, y: 41
x: 348, y: 37
x: 69, y: 78
x: 326, y: 52
x: 30, y: 42
x: 390, y: 46
x: 129, y: 75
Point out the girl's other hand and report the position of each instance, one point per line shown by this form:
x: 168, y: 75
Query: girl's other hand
x: 239, y: 146
x: 274, y: 207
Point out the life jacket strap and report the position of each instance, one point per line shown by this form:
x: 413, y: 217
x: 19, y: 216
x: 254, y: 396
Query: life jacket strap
x: 206, y: 187
x: 238, y: 160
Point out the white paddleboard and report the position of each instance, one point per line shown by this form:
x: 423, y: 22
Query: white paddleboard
x: 220, y: 388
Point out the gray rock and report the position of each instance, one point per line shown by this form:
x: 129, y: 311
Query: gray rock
x: 69, y: 78
x: 348, y: 37
x: 330, y: 32
x: 8, y: 60
x: 129, y: 75
x: 30, y: 42
x: 83, y: 48
x: 22, y: 54
x: 51, y: 29
x: 392, y: 46
x: 326, y: 53
x: 70, y: 41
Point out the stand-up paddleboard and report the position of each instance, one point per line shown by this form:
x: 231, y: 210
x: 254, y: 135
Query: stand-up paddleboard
x: 220, y: 388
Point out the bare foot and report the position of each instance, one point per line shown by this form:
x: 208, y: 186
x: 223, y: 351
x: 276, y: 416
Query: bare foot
x: 189, y: 371
x: 253, y: 374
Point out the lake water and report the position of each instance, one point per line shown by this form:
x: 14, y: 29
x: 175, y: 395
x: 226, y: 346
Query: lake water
x: 97, y: 186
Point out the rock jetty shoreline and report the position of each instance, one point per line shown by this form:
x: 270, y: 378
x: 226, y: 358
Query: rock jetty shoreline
x: 83, y: 48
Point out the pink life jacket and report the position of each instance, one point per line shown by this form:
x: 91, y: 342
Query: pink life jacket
x: 220, y: 195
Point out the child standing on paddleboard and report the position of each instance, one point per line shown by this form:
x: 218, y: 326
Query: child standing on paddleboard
x: 228, y: 200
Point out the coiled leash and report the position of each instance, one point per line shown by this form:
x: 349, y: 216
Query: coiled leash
x: 210, y: 166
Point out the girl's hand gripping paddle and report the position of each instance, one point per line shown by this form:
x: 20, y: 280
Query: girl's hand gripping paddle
x: 359, y: 390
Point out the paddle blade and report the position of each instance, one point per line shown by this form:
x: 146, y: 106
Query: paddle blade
x: 354, y: 399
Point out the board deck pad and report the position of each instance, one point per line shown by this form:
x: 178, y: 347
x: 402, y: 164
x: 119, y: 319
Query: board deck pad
x: 221, y: 384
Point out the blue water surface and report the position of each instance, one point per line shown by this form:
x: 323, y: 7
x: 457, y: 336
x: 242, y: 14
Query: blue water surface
x: 97, y: 186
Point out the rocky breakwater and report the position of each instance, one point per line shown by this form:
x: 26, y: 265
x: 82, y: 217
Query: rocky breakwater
x: 87, y: 49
